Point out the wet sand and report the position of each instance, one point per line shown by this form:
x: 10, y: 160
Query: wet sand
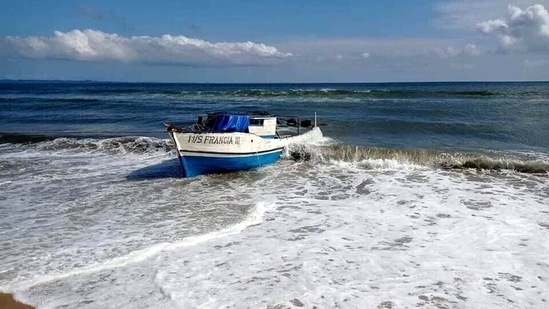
x: 7, y: 302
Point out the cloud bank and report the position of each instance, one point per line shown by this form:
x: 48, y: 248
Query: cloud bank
x: 470, y: 50
x: 521, y: 30
x: 465, y: 14
x: 94, y: 45
x: 369, y: 50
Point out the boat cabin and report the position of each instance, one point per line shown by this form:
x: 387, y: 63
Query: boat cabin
x: 259, y: 123
x: 263, y: 125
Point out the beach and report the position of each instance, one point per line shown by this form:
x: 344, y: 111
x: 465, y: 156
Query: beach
x: 7, y: 302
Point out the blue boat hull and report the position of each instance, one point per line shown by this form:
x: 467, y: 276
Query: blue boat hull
x: 199, y: 163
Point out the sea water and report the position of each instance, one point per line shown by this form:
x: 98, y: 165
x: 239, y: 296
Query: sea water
x: 431, y: 195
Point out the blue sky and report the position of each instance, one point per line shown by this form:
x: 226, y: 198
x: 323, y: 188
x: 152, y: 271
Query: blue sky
x: 275, y: 41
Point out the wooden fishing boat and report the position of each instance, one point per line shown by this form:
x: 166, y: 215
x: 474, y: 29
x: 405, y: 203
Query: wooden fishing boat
x: 224, y: 142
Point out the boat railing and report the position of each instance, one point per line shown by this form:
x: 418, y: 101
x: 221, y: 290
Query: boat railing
x: 284, y: 123
x: 194, y: 128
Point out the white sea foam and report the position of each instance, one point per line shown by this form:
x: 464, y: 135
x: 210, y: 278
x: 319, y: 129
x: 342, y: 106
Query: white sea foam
x: 72, y: 211
x: 332, y: 234
x: 390, y: 238
x: 254, y: 218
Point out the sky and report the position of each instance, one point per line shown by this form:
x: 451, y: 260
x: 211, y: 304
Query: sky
x: 275, y: 41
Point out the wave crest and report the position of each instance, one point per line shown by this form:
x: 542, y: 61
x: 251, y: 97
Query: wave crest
x: 345, y: 93
x: 136, y: 145
x: 374, y: 157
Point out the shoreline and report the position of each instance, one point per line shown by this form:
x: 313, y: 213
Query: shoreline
x: 8, y: 302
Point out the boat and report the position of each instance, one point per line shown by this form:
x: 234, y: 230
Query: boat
x: 226, y: 142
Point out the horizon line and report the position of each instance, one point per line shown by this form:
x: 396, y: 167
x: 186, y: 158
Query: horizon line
x: 257, y: 83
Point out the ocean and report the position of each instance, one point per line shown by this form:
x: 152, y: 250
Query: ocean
x: 430, y: 195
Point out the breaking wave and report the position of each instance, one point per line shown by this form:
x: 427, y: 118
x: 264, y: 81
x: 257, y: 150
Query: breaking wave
x: 366, y: 156
x: 297, y: 93
x: 116, y: 145
x: 119, y: 144
x: 370, y: 157
x: 281, y: 93
x: 340, y: 93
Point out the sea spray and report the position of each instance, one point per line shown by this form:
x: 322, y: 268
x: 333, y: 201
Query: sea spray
x: 418, y: 157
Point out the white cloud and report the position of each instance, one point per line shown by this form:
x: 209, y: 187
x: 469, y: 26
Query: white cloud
x: 536, y: 64
x: 520, y: 30
x: 94, y: 45
x: 353, y: 50
x: 470, y: 50
x: 465, y: 14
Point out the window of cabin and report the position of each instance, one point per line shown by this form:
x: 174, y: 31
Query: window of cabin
x: 256, y: 122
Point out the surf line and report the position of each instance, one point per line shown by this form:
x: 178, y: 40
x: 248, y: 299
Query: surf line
x: 255, y: 217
